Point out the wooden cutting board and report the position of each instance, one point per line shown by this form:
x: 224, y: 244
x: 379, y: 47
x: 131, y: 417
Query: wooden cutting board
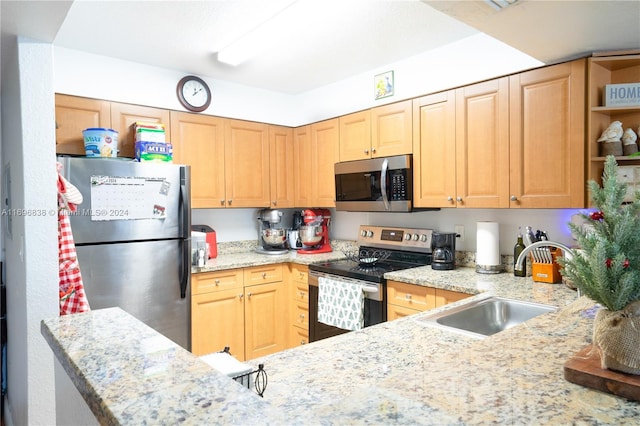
x: 584, y: 369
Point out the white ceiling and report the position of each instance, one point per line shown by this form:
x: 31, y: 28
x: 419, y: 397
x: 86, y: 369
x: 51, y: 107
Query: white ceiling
x: 327, y: 41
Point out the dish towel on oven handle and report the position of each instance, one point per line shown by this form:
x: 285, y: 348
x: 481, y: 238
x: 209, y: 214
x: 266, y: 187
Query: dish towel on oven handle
x: 340, y: 303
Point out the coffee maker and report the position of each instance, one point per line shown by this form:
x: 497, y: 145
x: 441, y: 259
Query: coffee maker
x: 443, y: 248
x: 314, y: 233
x: 272, y: 236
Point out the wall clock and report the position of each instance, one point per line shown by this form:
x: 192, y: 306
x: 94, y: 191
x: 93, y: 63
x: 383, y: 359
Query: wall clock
x: 193, y: 93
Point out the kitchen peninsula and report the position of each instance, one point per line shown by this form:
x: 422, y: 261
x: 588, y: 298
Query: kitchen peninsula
x: 402, y: 371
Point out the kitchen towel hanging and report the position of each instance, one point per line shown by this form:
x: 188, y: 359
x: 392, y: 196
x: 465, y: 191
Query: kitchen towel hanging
x: 340, y: 303
x: 71, y: 288
x: 488, y: 248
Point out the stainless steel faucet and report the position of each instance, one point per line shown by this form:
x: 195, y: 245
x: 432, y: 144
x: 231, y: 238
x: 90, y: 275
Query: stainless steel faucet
x: 568, y: 253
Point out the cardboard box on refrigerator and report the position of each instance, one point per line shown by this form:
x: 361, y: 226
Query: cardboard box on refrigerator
x: 157, y: 152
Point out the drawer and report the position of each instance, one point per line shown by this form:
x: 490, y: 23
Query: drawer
x: 444, y: 297
x: 299, y: 273
x: 300, y: 292
x: 214, y: 281
x: 298, y: 337
x: 300, y: 316
x: 262, y: 274
x: 411, y: 296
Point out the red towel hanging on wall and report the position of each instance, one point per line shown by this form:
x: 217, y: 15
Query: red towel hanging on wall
x: 72, y: 296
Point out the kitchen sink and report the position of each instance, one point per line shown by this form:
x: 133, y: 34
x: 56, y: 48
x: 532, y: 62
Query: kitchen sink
x: 485, y: 317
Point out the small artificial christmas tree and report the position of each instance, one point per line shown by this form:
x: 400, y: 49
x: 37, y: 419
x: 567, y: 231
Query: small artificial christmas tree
x: 608, y: 268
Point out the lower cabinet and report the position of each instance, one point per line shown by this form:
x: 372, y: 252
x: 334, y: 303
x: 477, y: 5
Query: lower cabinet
x: 407, y: 299
x: 249, y: 315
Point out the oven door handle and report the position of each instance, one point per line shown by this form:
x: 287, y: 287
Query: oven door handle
x: 370, y: 289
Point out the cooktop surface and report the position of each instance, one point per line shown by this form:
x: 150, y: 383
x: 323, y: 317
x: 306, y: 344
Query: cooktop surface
x: 351, y: 269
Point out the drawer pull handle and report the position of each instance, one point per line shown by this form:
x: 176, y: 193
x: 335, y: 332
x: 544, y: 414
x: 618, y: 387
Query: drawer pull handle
x: 407, y: 296
x: 264, y: 275
x: 303, y: 342
x: 217, y: 281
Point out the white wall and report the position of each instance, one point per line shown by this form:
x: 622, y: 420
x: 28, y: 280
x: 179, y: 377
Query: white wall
x: 28, y: 149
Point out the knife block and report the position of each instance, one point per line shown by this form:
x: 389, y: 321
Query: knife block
x: 547, y: 272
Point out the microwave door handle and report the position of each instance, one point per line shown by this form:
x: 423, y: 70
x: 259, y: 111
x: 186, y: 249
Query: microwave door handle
x: 383, y: 183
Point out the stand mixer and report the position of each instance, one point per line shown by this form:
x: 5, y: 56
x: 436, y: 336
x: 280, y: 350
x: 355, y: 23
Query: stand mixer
x: 314, y: 233
x: 273, y: 238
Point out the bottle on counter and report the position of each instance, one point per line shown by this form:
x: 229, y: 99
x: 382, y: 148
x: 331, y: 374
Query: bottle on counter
x: 517, y: 249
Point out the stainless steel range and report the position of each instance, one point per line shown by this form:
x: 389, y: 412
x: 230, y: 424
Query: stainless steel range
x: 381, y: 250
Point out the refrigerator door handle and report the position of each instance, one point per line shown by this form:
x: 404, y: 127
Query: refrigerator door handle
x: 185, y: 223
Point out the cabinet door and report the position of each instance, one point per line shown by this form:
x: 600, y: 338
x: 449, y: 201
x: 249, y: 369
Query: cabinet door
x: 73, y: 115
x: 444, y: 297
x: 547, y: 137
x: 246, y: 164
x: 324, y: 144
x: 124, y: 115
x: 482, y: 145
x: 355, y: 136
x: 198, y: 140
x: 394, y: 312
x: 217, y: 320
x: 302, y: 166
x: 281, y: 167
x: 391, y: 132
x: 434, y: 150
x: 266, y: 322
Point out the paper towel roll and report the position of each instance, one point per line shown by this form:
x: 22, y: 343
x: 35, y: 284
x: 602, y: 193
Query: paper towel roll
x: 488, y: 244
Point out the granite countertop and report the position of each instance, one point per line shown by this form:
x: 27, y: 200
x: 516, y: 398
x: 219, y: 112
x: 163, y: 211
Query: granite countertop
x: 402, y: 371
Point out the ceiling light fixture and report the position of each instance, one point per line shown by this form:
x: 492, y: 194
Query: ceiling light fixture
x: 258, y: 39
x: 500, y: 4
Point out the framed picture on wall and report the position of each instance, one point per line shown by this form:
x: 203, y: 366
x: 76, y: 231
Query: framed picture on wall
x: 383, y: 85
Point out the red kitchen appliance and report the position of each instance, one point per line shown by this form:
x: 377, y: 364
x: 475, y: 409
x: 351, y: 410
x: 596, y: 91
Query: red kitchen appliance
x: 314, y: 233
x: 210, y: 238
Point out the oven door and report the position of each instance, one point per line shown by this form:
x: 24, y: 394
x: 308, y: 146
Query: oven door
x: 375, y: 308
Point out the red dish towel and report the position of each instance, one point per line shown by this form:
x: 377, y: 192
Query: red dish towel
x: 72, y: 296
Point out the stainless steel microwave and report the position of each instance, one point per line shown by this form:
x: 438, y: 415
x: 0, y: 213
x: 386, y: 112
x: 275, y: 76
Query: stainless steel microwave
x: 375, y: 185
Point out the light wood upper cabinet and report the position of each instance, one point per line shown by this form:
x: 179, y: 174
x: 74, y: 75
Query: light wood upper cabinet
x: 124, y: 115
x: 547, y: 133
x: 281, y: 156
x: 316, y: 150
x: 434, y: 150
x: 324, y: 154
x: 246, y: 164
x: 482, y: 145
x: 198, y: 140
x: 302, y: 166
x: 75, y: 114
x: 391, y: 129
x: 379, y: 132
x: 355, y: 136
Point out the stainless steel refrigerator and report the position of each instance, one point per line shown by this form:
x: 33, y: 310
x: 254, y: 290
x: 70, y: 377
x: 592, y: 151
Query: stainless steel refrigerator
x: 132, y: 235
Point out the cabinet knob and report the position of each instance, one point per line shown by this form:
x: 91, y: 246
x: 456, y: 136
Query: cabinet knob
x: 303, y: 342
x: 222, y: 202
x: 514, y: 198
x: 373, y: 150
x: 449, y: 198
x: 302, y: 316
x: 407, y: 296
x: 264, y: 275
x: 217, y: 282
x: 229, y: 201
x: 249, y: 295
x: 366, y: 151
x: 241, y: 296
x: 459, y: 199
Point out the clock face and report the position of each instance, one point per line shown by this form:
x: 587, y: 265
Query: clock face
x: 194, y: 94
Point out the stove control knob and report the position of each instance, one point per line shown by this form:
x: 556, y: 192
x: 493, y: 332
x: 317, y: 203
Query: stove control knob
x: 407, y: 236
x: 363, y: 233
x: 369, y: 234
x: 415, y: 237
x: 423, y: 238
